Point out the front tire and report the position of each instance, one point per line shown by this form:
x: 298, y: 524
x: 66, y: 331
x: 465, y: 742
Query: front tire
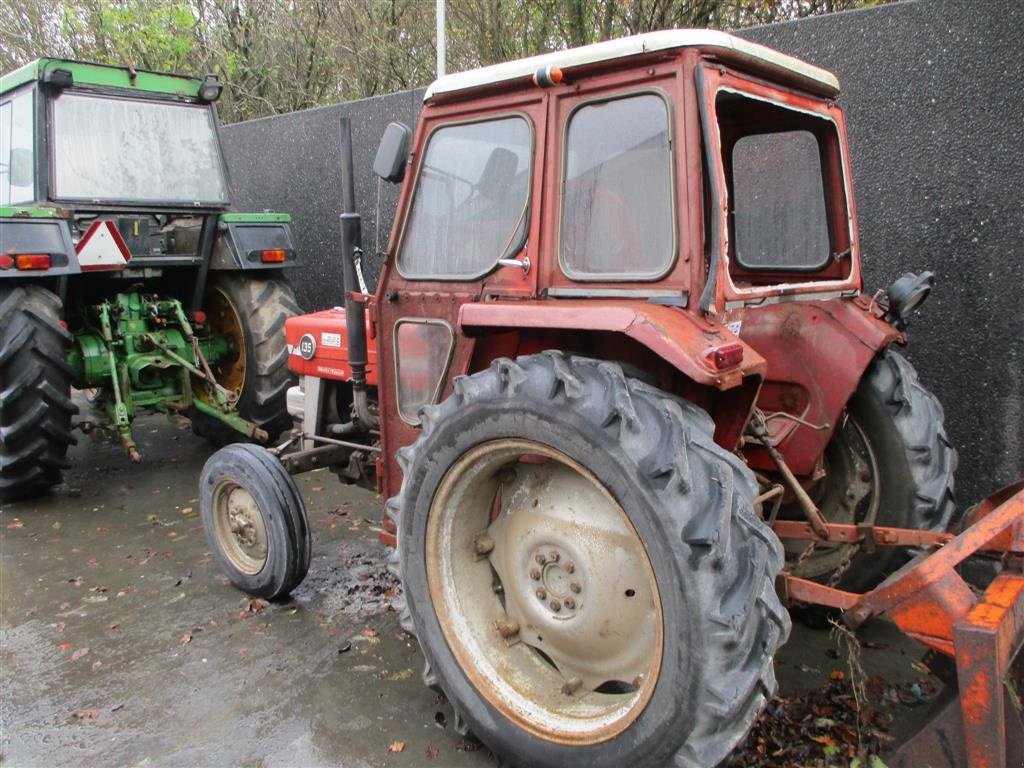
x: 35, y: 392
x: 255, y: 521
x: 655, y: 635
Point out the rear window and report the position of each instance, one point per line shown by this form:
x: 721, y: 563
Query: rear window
x: 617, y: 213
x: 470, y: 204
x: 777, y: 182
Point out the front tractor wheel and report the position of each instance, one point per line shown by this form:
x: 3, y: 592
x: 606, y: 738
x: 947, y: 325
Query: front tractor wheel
x: 584, y: 569
x: 251, y: 312
x: 35, y: 392
x: 254, y: 520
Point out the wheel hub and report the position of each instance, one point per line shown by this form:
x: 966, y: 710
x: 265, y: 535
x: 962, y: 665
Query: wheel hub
x: 240, y: 528
x: 556, y: 581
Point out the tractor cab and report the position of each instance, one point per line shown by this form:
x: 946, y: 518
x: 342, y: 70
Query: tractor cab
x: 116, y: 224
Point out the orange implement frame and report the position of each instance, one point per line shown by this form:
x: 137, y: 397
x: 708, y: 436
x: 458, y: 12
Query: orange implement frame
x: 929, y: 601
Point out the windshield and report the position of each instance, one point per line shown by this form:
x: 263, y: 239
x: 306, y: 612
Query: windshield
x: 121, y: 150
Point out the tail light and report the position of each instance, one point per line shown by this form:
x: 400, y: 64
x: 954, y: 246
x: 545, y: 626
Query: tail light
x: 31, y: 261
x: 273, y: 255
x: 725, y: 356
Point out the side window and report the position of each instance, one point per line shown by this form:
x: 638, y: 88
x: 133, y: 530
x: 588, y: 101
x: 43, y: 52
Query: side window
x: 423, y: 350
x: 17, y: 154
x: 470, y: 204
x: 617, y: 202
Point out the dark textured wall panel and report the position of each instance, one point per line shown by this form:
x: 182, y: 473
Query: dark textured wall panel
x: 934, y: 95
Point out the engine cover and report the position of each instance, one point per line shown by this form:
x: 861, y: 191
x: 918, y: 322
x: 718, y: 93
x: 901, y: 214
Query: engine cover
x: 318, y: 346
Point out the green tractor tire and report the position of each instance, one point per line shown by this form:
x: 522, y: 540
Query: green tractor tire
x: 252, y: 312
x: 35, y: 392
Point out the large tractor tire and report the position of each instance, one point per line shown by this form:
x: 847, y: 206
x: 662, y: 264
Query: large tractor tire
x: 35, y: 392
x: 889, y: 463
x: 584, y: 568
x: 251, y: 311
x: 255, y: 521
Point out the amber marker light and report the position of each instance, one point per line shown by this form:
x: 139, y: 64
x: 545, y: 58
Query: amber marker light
x: 547, y: 77
x: 273, y: 255
x: 32, y: 261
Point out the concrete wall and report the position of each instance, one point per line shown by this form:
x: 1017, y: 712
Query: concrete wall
x: 934, y: 94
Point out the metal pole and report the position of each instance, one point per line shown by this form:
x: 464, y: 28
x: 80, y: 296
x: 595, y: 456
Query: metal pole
x: 440, y: 39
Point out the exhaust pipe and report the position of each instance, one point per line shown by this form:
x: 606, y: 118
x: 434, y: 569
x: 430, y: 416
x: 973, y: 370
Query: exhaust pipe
x: 355, y: 309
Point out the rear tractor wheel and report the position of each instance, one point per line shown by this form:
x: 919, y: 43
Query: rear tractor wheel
x: 35, y: 392
x: 584, y: 569
x: 889, y: 463
x: 254, y: 520
x: 251, y: 311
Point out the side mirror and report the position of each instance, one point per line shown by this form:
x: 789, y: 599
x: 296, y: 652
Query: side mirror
x: 21, y: 170
x: 393, y: 152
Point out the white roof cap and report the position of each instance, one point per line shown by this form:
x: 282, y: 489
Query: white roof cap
x: 630, y: 46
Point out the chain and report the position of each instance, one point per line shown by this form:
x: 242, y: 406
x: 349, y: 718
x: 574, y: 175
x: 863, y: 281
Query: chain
x: 808, y: 551
x: 844, y: 564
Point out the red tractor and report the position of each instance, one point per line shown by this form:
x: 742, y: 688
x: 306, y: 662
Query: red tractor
x: 618, y: 374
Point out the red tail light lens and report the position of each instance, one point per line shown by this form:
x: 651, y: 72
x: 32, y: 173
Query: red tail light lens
x: 6, y: 261
x: 199, y: 316
x: 32, y: 261
x: 273, y: 255
x: 727, y: 356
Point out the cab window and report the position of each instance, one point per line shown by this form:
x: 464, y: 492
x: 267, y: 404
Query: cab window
x: 17, y: 156
x: 470, y: 204
x: 617, y: 214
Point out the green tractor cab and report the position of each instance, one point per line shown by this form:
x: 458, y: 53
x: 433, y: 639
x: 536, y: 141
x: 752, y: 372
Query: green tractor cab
x: 123, y: 270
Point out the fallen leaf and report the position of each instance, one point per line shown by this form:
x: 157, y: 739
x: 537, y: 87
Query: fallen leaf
x: 15, y: 525
x: 254, y: 606
x: 79, y: 654
x: 59, y: 626
x: 837, y: 674
x: 370, y: 632
x: 64, y: 646
x: 115, y: 625
x: 431, y: 751
x: 86, y: 714
x: 63, y: 606
x: 317, y: 489
x: 96, y: 665
x: 396, y: 746
x: 77, y: 581
x: 186, y: 511
x: 185, y: 639
x: 56, y: 526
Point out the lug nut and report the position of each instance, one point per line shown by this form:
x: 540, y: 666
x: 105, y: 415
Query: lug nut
x: 570, y: 603
x: 508, y: 628
x: 542, y: 593
x: 535, y: 574
x: 553, y: 556
x: 570, y: 566
x: 555, y: 605
x: 484, y: 545
x: 540, y: 559
x: 575, y: 587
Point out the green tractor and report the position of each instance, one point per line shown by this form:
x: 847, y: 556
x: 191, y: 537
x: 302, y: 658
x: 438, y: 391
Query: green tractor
x: 123, y: 272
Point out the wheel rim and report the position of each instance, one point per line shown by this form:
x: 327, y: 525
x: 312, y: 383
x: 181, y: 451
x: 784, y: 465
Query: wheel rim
x: 850, y: 494
x: 224, y: 320
x: 544, y: 592
x: 239, y: 527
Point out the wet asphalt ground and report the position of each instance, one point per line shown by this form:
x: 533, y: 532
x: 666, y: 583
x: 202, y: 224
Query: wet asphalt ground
x: 122, y: 644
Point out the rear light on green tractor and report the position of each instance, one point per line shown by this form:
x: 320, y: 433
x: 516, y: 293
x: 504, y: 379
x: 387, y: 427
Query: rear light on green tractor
x: 32, y: 261
x: 273, y: 255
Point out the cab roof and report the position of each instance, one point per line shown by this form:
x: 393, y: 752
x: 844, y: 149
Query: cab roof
x: 104, y: 75
x: 788, y: 67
